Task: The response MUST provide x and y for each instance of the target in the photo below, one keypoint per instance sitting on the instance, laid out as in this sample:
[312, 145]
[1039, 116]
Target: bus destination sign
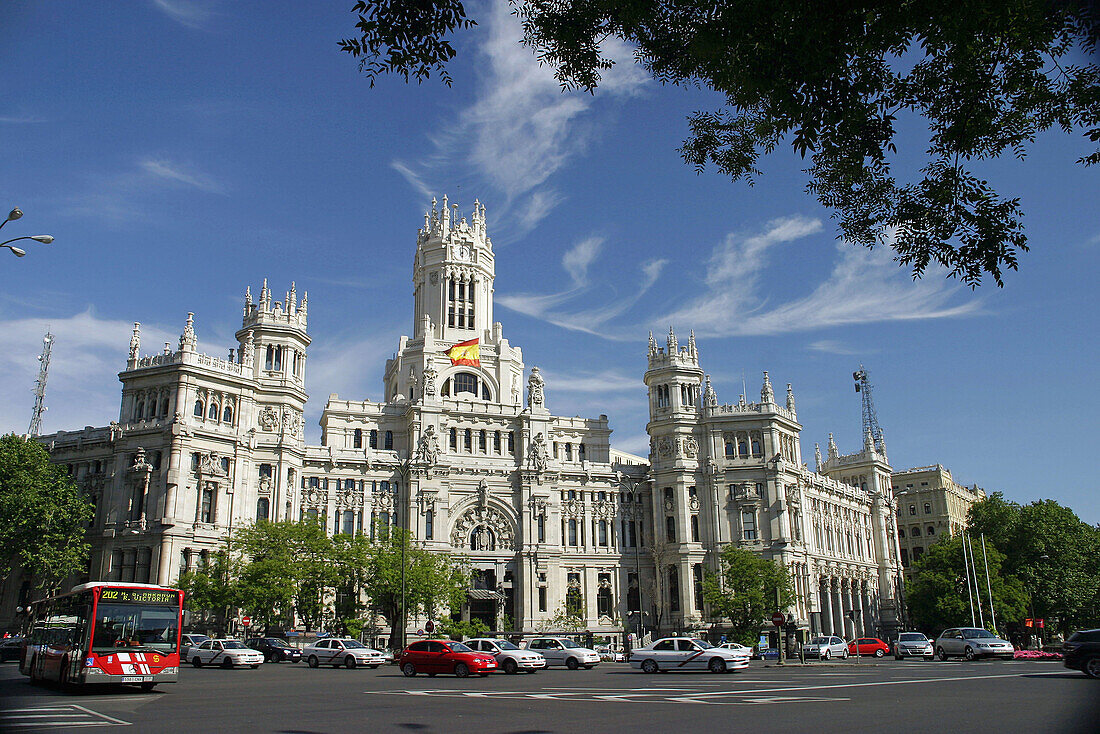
[139, 596]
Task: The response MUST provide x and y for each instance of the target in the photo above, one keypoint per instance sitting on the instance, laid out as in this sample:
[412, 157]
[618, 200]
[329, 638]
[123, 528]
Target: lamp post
[14, 214]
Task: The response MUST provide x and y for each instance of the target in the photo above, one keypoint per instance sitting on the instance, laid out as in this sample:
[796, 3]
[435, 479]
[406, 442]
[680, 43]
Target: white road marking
[867, 684]
[51, 717]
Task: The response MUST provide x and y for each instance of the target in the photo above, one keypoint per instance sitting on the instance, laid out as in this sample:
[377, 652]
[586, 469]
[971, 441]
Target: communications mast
[40, 386]
[870, 418]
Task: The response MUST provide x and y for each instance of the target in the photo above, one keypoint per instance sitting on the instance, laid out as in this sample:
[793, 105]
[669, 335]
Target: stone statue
[429, 381]
[535, 385]
[427, 448]
[538, 453]
[135, 342]
[249, 353]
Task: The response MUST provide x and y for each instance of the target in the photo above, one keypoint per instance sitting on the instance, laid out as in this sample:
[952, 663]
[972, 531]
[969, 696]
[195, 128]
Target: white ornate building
[457, 453]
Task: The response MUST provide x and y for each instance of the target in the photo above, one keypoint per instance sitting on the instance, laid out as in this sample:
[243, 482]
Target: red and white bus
[105, 632]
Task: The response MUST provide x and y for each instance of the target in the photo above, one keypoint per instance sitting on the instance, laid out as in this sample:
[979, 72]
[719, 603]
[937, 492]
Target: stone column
[838, 612]
[862, 626]
[826, 607]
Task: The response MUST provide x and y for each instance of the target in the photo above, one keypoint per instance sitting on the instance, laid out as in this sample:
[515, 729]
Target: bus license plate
[137, 679]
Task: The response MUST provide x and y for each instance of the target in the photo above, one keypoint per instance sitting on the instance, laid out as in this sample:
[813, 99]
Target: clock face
[464, 253]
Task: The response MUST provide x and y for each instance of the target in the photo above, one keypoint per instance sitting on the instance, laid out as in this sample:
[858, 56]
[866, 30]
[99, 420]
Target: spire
[882, 442]
[445, 214]
[834, 453]
[247, 296]
[305, 303]
[135, 341]
[817, 457]
[790, 398]
[673, 347]
[652, 343]
[265, 297]
[691, 344]
[292, 299]
[187, 339]
[767, 395]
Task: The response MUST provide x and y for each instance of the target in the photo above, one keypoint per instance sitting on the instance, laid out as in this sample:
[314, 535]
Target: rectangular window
[389, 440]
[454, 439]
[348, 525]
[481, 442]
[429, 525]
[374, 438]
[673, 589]
[697, 579]
[603, 533]
[542, 528]
[511, 442]
[633, 597]
[748, 525]
[670, 529]
[542, 598]
[695, 528]
[496, 442]
[580, 452]
[568, 452]
[468, 439]
[572, 532]
[206, 505]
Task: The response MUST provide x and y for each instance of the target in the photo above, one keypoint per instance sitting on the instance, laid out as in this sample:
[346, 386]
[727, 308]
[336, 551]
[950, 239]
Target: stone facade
[930, 504]
[467, 455]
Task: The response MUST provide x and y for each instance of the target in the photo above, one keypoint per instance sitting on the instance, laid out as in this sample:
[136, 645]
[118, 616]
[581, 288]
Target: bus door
[66, 630]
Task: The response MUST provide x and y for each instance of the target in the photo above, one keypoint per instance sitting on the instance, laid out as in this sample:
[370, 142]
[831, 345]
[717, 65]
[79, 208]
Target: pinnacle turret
[135, 341]
[817, 457]
[767, 395]
[673, 345]
[188, 341]
[790, 398]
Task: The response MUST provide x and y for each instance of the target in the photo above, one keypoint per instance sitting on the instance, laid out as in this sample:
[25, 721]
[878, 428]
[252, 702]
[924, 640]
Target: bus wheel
[147, 687]
[33, 672]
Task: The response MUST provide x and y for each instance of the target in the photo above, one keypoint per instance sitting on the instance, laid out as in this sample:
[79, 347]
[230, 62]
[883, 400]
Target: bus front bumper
[165, 675]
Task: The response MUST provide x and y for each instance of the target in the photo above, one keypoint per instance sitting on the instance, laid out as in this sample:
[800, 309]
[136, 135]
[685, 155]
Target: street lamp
[14, 214]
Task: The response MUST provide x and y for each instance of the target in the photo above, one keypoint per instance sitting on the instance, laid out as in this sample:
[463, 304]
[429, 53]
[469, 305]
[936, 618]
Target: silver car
[510, 658]
[912, 645]
[825, 648]
[563, 651]
[972, 643]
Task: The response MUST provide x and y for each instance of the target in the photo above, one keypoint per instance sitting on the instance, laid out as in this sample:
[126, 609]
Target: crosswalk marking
[49, 717]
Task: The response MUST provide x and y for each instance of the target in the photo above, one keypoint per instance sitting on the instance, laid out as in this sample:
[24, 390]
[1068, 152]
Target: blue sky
[180, 150]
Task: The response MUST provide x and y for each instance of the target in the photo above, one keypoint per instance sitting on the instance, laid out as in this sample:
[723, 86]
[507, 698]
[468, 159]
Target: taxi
[337, 651]
[687, 653]
[226, 653]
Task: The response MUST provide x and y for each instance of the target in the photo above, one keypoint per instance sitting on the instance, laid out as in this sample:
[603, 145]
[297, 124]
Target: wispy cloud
[186, 12]
[604, 381]
[577, 259]
[832, 346]
[413, 178]
[520, 128]
[21, 119]
[170, 171]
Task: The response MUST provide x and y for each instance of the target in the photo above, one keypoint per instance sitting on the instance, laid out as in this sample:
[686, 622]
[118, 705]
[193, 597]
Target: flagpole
[969, 593]
[988, 586]
[977, 587]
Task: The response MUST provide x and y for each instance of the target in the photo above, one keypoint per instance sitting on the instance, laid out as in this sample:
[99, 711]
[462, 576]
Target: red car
[444, 656]
[869, 646]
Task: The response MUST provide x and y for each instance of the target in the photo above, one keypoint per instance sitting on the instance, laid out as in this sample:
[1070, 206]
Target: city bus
[104, 632]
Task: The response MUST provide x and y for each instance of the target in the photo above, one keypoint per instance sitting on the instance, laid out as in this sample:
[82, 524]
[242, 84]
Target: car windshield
[569, 645]
[459, 647]
[233, 645]
[913, 637]
[198, 639]
[703, 644]
[978, 634]
[819, 641]
[505, 645]
[353, 644]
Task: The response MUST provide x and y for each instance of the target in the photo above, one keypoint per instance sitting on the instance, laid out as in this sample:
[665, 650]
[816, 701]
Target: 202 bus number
[109, 594]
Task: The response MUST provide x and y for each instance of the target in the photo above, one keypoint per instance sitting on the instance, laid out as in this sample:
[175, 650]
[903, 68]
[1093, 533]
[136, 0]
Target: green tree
[1051, 550]
[44, 515]
[434, 582]
[212, 592]
[270, 574]
[937, 596]
[835, 81]
[747, 590]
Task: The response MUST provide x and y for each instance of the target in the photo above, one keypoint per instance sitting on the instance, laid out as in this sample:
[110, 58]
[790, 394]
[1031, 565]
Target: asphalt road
[910, 696]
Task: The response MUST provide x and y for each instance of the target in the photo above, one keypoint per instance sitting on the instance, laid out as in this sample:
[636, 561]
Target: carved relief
[691, 448]
[537, 453]
[483, 529]
[268, 419]
[665, 448]
[430, 376]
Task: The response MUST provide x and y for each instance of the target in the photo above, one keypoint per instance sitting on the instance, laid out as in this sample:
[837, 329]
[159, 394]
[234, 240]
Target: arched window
[389, 440]
[445, 391]
[212, 414]
[697, 577]
[931, 530]
[465, 382]
[358, 438]
[915, 532]
[199, 407]
[901, 532]
[670, 529]
[227, 414]
[743, 449]
[164, 406]
[263, 506]
[139, 410]
[269, 360]
[485, 391]
[574, 600]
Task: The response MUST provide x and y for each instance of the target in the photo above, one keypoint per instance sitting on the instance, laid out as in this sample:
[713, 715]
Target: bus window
[146, 626]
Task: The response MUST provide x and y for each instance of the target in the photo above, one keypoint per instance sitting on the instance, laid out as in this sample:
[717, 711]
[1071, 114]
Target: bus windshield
[144, 627]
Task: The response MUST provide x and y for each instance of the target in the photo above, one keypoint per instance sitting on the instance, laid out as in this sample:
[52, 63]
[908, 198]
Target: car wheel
[969, 652]
[196, 661]
[227, 663]
[462, 670]
[313, 662]
[825, 654]
[572, 664]
[717, 665]
[649, 666]
[942, 654]
[879, 653]
[410, 670]
[1092, 667]
[844, 655]
[349, 662]
[510, 667]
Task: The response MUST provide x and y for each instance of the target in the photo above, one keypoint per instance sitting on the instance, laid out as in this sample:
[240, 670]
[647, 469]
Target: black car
[9, 649]
[275, 650]
[1082, 652]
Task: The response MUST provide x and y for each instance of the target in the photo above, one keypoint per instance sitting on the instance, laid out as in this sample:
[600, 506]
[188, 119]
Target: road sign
[246, 621]
[429, 626]
[778, 619]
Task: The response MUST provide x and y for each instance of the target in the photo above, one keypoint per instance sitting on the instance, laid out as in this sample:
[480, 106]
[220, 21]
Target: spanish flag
[467, 353]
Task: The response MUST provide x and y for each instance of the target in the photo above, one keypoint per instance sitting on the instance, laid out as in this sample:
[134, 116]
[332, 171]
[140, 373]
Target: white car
[687, 653]
[825, 648]
[736, 647]
[336, 651]
[912, 645]
[563, 651]
[226, 653]
[610, 654]
[510, 658]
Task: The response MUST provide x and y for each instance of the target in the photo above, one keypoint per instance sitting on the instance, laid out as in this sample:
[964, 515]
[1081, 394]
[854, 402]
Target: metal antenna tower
[870, 418]
[40, 385]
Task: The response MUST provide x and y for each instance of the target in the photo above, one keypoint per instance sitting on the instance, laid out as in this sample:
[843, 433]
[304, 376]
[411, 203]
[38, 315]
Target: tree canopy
[1052, 551]
[747, 590]
[836, 81]
[44, 515]
[937, 597]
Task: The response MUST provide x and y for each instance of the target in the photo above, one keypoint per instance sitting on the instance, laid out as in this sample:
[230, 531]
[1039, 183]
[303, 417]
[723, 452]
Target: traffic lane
[1038, 697]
